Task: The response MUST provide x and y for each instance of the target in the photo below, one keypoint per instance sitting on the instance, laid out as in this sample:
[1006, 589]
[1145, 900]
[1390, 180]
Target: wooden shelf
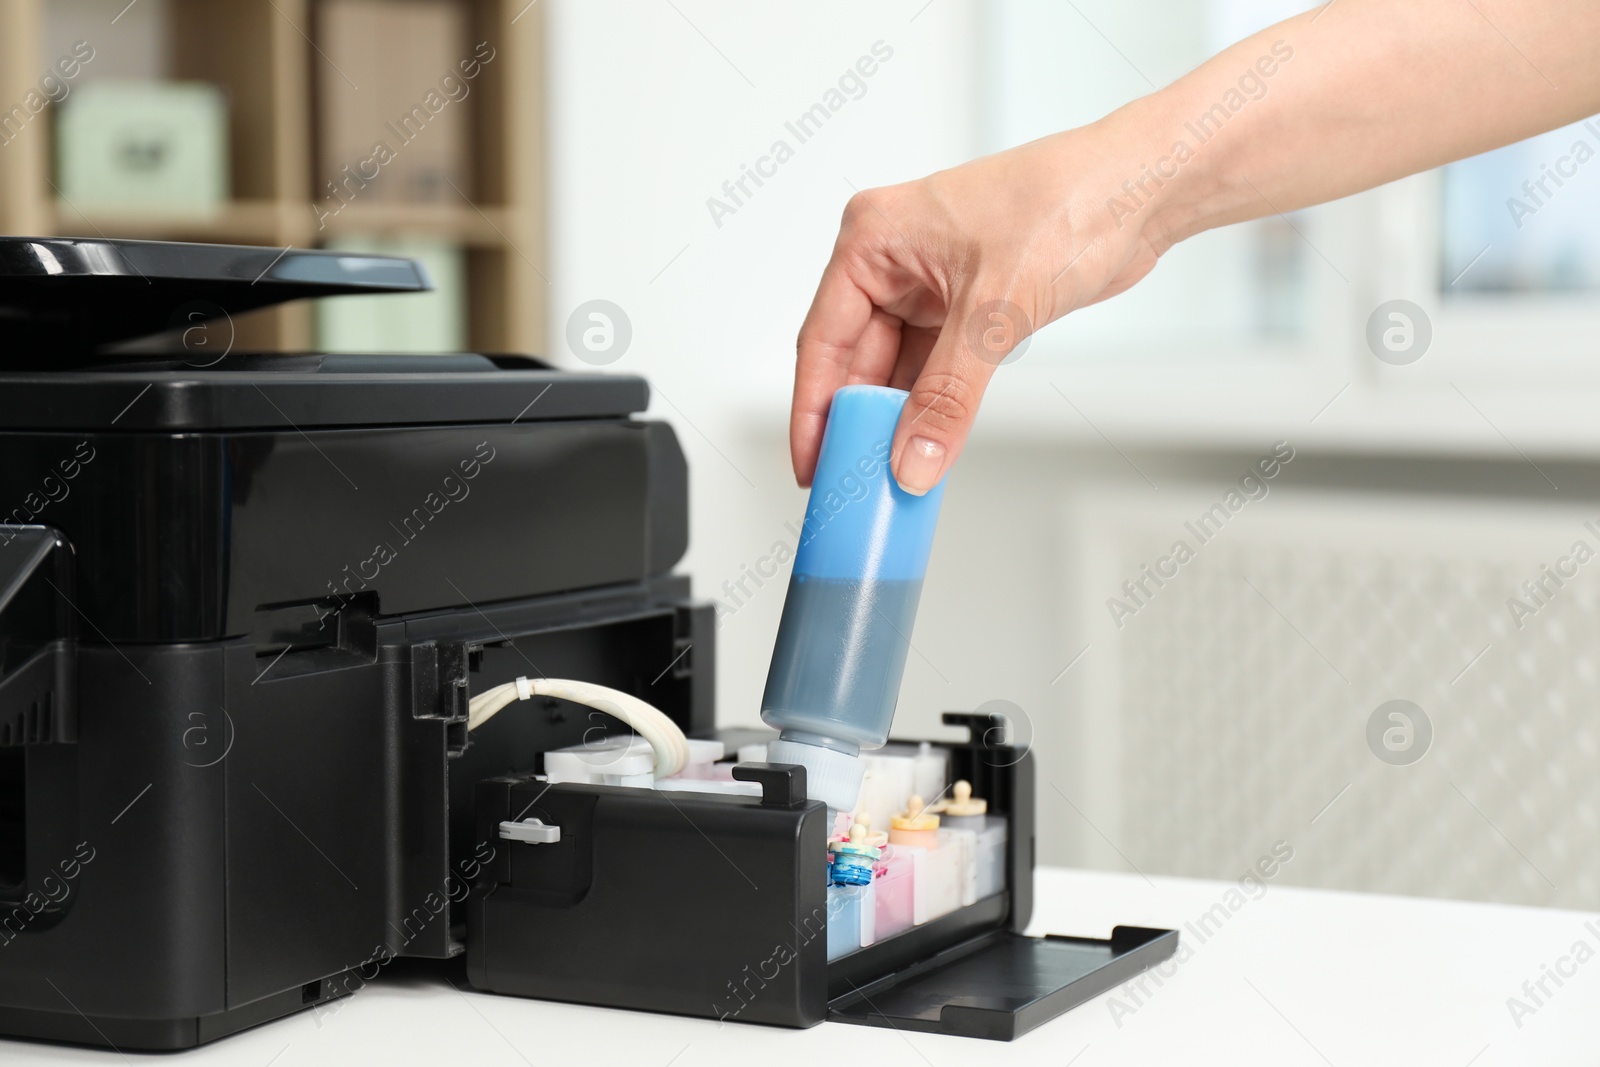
[239, 222]
[268, 221]
[262, 56]
[472, 225]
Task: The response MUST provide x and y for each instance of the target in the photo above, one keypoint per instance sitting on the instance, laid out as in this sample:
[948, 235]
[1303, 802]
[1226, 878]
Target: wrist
[1159, 182]
[1182, 153]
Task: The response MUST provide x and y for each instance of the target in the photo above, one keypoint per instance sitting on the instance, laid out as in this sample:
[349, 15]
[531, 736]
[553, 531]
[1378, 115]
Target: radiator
[1233, 705]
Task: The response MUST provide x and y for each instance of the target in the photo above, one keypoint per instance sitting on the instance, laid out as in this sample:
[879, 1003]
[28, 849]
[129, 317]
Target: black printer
[243, 605]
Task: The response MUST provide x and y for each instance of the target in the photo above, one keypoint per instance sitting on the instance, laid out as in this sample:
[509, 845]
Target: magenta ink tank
[852, 600]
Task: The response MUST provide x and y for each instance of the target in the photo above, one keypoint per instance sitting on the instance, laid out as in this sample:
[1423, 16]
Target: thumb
[976, 337]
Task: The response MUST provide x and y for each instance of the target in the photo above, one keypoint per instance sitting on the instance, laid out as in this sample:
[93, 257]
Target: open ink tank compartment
[852, 600]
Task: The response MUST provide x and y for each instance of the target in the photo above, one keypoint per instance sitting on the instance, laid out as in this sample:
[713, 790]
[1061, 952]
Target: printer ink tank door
[64, 298]
[1001, 985]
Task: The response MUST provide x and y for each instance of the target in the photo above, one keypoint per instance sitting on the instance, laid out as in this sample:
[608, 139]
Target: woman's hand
[934, 282]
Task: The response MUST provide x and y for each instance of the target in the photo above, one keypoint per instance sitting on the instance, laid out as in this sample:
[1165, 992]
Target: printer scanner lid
[71, 296]
[69, 308]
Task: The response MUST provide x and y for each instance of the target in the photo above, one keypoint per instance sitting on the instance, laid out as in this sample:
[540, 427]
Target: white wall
[653, 107]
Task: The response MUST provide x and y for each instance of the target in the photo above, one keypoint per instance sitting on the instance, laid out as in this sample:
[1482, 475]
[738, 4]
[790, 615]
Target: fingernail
[921, 463]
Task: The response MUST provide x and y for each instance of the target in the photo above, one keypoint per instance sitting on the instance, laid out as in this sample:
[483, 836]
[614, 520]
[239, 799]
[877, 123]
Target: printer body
[243, 606]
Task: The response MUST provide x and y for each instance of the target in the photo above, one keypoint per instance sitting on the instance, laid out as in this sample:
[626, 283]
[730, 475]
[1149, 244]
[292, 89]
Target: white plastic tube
[666, 739]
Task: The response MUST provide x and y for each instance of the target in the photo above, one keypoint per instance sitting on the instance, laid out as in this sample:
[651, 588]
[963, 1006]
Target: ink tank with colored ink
[852, 600]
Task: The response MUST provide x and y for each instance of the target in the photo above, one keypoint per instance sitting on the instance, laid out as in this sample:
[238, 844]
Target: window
[1525, 218]
[1243, 291]
[1242, 327]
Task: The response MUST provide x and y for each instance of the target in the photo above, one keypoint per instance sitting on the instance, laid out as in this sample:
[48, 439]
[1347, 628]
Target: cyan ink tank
[852, 600]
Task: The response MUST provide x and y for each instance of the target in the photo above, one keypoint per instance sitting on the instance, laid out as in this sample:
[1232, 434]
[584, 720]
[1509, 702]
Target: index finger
[832, 329]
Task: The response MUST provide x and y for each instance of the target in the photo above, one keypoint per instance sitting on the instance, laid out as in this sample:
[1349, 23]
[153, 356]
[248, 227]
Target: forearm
[1347, 97]
[932, 282]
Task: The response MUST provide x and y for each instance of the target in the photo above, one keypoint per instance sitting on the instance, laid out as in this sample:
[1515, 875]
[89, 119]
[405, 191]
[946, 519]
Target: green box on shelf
[415, 322]
[137, 144]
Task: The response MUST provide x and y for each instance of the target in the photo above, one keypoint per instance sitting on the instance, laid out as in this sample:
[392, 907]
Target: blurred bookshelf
[278, 75]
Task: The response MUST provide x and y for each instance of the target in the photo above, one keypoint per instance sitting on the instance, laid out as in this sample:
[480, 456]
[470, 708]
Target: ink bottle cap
[854, 860]
[915, 827]
[832, 777]
[962, 802]
[875, 838]
[915, 817]
[858, 844]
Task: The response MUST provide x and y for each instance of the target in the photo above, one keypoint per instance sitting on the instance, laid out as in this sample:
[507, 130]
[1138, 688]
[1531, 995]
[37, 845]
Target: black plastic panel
[61, 298]
[684, 903]
[291, 395]
[237, 830]
[744, 883]
[207, 536]
[1002, 985]
[38, 656]
[13, 821]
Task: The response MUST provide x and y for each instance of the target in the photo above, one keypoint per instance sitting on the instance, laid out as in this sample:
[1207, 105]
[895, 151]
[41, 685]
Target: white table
[1293, 976]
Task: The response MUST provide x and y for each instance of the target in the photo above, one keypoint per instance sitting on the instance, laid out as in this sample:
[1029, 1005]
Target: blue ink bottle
[852, 600]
